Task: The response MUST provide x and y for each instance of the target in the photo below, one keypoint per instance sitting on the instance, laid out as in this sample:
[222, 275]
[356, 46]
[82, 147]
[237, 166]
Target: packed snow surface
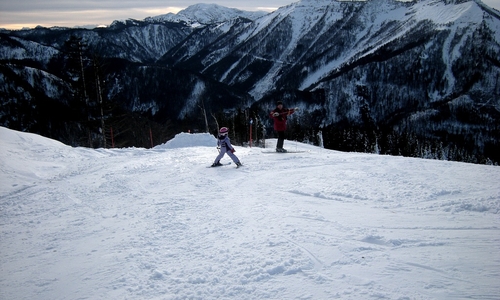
[134, 223]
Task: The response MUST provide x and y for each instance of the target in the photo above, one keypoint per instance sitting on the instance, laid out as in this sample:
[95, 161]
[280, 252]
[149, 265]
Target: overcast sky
[16, 14]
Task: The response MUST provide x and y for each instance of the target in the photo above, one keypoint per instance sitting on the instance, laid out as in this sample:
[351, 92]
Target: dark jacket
[280, 120]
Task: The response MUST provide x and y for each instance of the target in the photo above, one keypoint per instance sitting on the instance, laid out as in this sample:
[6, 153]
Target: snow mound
[185, 140]
[27, 140]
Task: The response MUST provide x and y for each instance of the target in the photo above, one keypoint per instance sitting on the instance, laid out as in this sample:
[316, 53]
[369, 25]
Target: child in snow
[225, 146]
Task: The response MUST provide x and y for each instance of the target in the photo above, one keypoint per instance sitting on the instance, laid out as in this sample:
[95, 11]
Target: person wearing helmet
[224, 144]
[280, 114]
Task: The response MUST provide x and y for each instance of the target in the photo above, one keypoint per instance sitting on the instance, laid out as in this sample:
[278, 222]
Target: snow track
[133, 223]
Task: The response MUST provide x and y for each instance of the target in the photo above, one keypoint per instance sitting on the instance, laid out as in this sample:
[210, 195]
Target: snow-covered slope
[77, 223]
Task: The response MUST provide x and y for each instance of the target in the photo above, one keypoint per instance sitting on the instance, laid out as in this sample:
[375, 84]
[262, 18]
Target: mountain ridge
[203, 14]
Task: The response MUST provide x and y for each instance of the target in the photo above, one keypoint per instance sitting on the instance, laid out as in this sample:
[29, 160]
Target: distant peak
[204, 13]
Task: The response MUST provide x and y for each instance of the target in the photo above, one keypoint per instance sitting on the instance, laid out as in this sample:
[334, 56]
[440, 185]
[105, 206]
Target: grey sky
[30, 13]
[16, 14]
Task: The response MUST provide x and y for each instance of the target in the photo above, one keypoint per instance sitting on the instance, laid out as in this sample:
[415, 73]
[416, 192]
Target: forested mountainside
[405, 78]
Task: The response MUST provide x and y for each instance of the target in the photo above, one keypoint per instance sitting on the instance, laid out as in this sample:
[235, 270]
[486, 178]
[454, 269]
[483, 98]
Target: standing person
[280, 114]
[224, 144]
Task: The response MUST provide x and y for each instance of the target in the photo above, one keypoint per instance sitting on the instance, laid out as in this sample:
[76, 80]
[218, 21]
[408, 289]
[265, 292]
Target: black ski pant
[281, 139]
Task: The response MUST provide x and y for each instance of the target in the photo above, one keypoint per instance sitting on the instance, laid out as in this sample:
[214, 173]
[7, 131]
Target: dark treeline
[355, 138]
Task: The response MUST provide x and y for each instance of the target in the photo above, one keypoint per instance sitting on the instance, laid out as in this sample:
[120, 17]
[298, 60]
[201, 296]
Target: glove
[297, 108]
[276, 114]
[233, 150]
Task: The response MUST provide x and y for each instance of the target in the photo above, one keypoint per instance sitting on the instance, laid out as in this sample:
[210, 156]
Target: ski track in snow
[134, 223]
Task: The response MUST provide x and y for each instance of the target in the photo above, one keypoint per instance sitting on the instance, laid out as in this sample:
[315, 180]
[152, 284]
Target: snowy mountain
[207, 14]
[406, 78]
[135, 223]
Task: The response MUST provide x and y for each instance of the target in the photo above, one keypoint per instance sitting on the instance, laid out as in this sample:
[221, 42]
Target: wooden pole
[251, 123]
[112, 138]
[151, 136]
